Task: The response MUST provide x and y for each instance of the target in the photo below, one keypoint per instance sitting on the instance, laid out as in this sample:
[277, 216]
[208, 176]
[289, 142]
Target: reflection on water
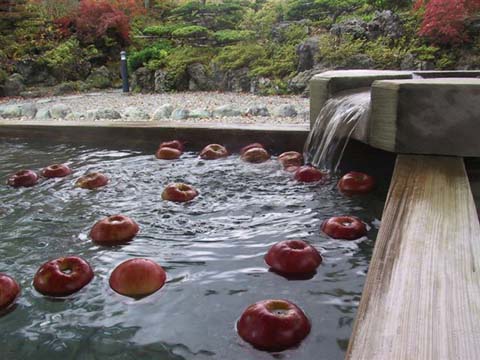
[212, 250]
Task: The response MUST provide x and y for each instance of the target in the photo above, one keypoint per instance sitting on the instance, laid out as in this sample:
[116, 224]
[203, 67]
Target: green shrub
[68, 59]
[240, 55]
[281, 61]
[231, 36]
[190, 32]
[155, 53]
[162, 30]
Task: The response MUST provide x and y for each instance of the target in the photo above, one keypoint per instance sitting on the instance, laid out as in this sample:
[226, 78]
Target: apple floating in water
[291, 160]
[255, 155]
[273, 325]
[308, 173]
[62, 276]
[174, 144]
[251, 146]
[167, 153]
[355, 182]
[293, 257]
[344, 227]
[23, 178]
[213, 151]
[179, 192]
[56, 170]
[137, 278]
[114, 230]
[92, 181]
[9, 291]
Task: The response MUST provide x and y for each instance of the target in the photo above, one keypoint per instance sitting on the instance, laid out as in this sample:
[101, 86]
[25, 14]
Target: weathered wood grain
[422, 294]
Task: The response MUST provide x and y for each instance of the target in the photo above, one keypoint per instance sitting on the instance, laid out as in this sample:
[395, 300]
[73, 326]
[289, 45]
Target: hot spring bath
[211, 248]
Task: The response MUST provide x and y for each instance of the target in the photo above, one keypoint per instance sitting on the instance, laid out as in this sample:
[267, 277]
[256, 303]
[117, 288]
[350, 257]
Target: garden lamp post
[124, 71]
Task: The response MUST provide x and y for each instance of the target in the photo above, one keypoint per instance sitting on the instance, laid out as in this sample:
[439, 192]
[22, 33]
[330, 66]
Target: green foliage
[320, 9]
[281, 61]
[68, 58]
[3, 76]
[162, 30]
[190, 32]
[232, 36]
[263, 20]
[151, 56]
[240, 55]
[390, 4]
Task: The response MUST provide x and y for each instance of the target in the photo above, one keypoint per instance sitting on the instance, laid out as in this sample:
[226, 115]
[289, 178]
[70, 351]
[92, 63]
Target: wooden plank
[422, 294]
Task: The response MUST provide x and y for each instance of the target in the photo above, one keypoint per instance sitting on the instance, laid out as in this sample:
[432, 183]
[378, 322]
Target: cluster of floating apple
[272, 325]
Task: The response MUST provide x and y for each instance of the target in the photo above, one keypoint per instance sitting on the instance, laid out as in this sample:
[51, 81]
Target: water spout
[335, 124]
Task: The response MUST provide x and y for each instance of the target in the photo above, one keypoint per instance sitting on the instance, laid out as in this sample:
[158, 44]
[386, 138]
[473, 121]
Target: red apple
[137, 278]
[179, 192]
[308, 173]
[344, 227]
[56, 170]
[293, 257]
[62, 276]
[174, 144]
[251, 146]
[256, 155]
[213, 151]
[273, 325]
[290, 159]
[25, 178]
[92, 181]
[114, 230]
[356, 182]
[9, 291]
[167, 153]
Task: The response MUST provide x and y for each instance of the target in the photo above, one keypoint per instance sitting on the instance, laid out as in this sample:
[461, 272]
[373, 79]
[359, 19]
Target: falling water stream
[334, 125]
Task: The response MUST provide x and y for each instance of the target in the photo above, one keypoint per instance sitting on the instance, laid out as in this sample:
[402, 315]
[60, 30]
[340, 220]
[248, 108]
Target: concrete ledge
[447, 74]
[149, 134]
[426, 116]
[325, 85]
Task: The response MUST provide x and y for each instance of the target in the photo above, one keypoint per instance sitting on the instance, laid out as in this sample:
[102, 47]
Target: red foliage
[95, 19]
[444, 21]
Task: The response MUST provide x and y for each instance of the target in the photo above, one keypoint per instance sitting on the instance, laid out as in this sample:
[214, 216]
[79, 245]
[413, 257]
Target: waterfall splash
[335, 124]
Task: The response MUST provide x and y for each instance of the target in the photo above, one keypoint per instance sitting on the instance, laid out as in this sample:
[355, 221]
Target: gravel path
[149, 103]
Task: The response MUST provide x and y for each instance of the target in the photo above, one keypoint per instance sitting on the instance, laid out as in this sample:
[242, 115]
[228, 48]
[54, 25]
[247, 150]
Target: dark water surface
[211, 248]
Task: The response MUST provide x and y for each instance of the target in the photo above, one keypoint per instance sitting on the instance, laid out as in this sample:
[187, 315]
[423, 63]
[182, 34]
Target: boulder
[134, 113]
[258, 110]
[161, 83]
[143, 80]
[43, 114]
[60, 111]
[76, 116]
[299, 83]
[357, 28]
[18, 110]
[385, 24]
[307, 53]
[103, 113]
[199, 114]
[180, 114]
[199, 80]
[260, 85]
[286, 110]
[163, 112]
[65, 88]
[14, 85]
[34, 72]
[227, 111]
[100, 78]
[238, 80]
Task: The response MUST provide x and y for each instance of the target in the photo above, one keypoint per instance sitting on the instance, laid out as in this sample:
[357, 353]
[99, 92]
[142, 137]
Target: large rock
[200, 114]
[260, 85]
[34, 73]
[199, 80]
[103, 113]
[163, 112]
[307, 53]
[238, 80]
[60, 111]
[18, 110]
[227, 111]
[357, 28]
[180, 114]
[299, 83]
[143, 80]
[161, 83]
[134, 113]
[43, 114]
[286, 110]
[258, 110]
[100, 78]
[14, 85]
[385, 24]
